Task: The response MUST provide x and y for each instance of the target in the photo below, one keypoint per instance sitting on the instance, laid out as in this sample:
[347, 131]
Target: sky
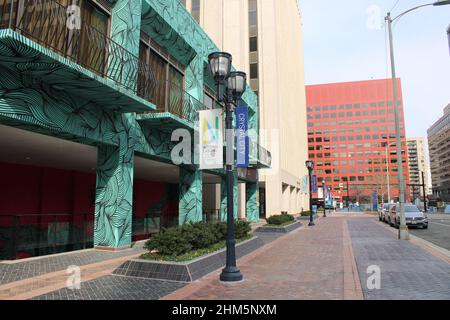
[346, 41]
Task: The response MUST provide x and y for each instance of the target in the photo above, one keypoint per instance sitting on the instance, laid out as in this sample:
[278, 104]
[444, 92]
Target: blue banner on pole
[242, 142]
[374, 201]
[314, 183]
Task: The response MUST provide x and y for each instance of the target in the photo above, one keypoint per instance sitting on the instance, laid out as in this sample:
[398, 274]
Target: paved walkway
[310, 263]
[327, 261]
[407, 270]
[41, 275]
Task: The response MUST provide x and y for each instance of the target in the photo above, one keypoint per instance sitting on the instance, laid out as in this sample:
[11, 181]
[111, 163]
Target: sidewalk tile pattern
[116, 288]
[407, 272]
[27, 269]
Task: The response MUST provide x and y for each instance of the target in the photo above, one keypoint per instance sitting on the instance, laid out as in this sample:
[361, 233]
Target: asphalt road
[438, 231]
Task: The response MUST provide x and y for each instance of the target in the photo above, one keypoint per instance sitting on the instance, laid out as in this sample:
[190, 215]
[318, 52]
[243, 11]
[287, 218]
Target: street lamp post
[230, 87]
[310, 165]
[403, 229]
[324, 203]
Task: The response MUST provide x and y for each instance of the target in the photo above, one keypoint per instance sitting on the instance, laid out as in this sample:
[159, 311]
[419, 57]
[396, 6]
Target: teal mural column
[126, 31]
[191, 193]
[251, 205]
[223, 197]
[114, 197]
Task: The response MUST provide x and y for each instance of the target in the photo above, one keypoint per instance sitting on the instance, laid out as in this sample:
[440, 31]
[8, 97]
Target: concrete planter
[187, 271]
[283, 229]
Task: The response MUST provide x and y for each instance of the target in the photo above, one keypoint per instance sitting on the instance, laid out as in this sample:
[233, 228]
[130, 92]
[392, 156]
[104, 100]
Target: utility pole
[424, 193]
[403, 233]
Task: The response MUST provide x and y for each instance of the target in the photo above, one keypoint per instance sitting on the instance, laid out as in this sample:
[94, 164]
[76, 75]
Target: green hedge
[193, 236]
[280, 219]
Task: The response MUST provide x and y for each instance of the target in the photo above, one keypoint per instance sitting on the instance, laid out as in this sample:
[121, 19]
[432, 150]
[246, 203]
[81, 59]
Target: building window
[253, 71]
[253, 44]
[167, 91]
[195, 10]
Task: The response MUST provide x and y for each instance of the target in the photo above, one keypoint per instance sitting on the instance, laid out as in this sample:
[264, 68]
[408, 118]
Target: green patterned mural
[114, 197]
[44, 92]
[252, 209]
[191, 187]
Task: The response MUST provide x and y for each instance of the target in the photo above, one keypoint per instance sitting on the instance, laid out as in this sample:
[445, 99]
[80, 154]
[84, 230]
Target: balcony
[108, 73]
[174, 106]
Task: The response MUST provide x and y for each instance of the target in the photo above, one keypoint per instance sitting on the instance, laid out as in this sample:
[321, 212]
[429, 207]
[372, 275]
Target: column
[114, 197]
[252, 208]
[191, 196]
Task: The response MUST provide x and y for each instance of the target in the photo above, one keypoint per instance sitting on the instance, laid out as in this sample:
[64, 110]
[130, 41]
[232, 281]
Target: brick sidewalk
[310, 263]
[33, 277]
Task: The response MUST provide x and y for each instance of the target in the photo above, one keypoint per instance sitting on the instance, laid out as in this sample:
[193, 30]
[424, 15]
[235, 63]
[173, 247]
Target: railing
[152, 222]
[29, 235]
[46, 22]
[170, 97]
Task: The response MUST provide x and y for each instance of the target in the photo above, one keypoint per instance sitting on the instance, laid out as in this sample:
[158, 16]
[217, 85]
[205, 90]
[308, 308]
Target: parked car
[382, 209]
[414, 217]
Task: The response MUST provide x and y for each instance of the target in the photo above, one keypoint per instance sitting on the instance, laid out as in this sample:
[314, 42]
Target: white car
[414, 217]
[447, 209]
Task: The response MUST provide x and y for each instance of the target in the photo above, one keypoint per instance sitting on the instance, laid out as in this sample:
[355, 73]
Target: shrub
[280, 219]
[305, 214]
[241, 229]
[193, 236]
[168, 242]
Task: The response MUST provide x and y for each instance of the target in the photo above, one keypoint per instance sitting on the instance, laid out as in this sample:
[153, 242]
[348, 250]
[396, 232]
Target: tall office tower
[351, 138]
[417, 165]
[439, 150]
[265, 39]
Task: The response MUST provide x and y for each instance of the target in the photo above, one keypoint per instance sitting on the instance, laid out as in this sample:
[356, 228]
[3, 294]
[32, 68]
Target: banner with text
[211, 139]
[242, 143]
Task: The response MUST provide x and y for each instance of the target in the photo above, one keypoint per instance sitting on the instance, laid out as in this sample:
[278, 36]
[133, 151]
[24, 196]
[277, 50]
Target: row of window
[352, 106]
[356, 122]
[348, 114]
[375, 178]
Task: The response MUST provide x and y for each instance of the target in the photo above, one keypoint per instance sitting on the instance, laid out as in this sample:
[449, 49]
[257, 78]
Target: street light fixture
[230, 88]
[403, 229]
[310, 165]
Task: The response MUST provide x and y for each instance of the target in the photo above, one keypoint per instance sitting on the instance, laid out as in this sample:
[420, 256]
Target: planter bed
[280, 229]
[184, 271]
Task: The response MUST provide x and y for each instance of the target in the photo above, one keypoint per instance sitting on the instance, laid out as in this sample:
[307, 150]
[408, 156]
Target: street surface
[438, 231]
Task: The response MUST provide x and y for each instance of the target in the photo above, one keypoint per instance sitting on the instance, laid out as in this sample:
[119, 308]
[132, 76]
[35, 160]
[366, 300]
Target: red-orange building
[351, 138]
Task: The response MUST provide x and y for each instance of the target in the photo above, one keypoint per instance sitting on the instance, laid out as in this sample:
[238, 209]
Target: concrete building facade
[417, 164]
[265, 39]
[439, 151]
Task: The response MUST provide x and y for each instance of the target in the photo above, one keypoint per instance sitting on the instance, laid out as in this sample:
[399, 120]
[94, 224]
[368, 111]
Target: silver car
[414, 217]
[383, 212]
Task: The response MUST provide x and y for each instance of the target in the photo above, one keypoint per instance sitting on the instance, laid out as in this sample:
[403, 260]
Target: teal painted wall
[34, 95]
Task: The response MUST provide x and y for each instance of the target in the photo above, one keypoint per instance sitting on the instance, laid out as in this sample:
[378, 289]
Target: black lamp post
[310, 165]
[230, 87]
[324, 188]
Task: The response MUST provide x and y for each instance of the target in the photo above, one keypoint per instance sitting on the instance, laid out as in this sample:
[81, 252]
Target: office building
[439, 151]
[351, 138]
